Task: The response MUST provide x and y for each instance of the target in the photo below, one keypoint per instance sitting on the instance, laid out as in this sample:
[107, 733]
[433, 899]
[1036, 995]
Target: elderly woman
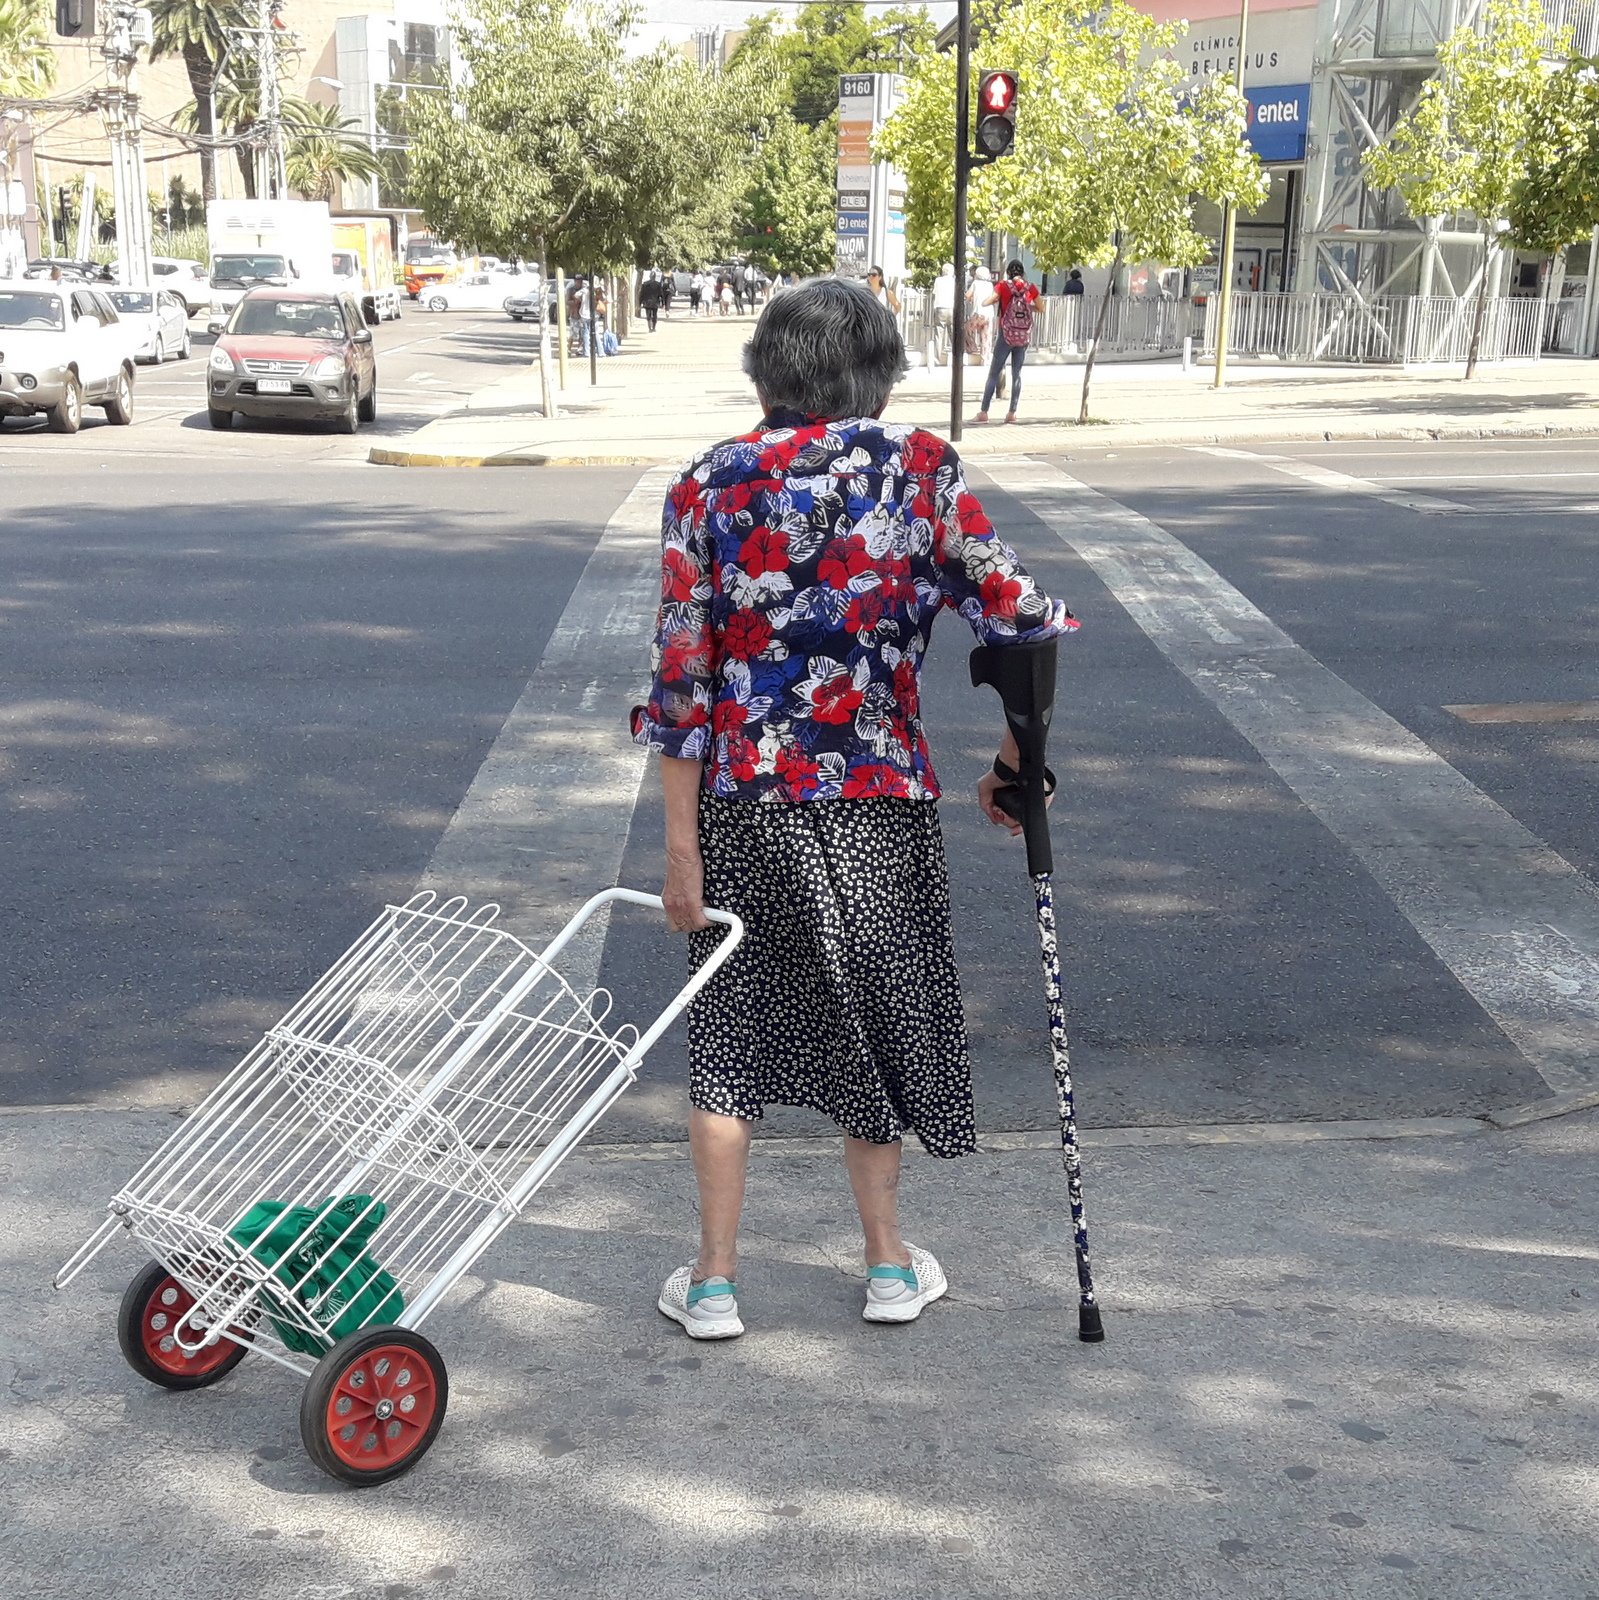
[802, 567]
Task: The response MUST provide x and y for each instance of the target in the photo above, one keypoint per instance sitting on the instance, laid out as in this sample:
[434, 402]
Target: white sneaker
[897, 1294]
[706, 1310]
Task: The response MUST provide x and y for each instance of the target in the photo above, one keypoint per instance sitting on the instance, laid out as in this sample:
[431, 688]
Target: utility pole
[1229, 225]
[127, 29]
[963, 170]
[271, 182]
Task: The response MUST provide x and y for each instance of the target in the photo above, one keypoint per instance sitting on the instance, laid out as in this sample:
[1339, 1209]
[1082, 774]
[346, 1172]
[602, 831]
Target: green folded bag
[365, 1292]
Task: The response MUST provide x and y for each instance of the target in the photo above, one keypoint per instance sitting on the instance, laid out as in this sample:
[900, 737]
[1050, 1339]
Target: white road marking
[1326, 478]
[1475, 477]
[545, 821]
[1514, 922]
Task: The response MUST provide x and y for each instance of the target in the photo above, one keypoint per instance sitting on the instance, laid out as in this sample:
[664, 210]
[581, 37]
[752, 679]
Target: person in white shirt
[943, 311]
[980, 316]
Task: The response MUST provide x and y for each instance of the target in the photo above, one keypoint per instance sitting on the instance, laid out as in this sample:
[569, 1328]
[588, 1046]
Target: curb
[1024, 441]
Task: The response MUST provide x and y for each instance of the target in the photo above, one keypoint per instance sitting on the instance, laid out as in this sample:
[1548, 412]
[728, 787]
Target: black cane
[1024, 675]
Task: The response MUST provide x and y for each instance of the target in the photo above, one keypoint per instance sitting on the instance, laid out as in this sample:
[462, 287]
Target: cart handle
[714, 964]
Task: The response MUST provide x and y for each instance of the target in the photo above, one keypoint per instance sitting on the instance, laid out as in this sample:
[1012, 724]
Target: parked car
[68, 269]
[477, 291]
[62, 346]
[528, 305]
[186, 279]
[291, 354]
[158, 319]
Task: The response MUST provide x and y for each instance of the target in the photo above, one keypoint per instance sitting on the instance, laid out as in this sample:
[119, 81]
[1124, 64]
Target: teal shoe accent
[710, 1289]
[904, 1274]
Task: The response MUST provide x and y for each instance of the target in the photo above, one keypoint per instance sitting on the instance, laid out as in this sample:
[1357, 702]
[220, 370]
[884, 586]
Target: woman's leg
[995, 366]
[874, 1176]
[720, 1147]
[1018, 355]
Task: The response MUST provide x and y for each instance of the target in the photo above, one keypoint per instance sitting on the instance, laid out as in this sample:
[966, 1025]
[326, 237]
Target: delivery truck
[363, 263]
[278, 242]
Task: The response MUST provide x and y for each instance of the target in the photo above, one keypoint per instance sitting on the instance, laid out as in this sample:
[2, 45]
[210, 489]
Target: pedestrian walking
[724, 296]
[736, 278]
[980, 316]
[668, 289]
[649, 299]
[1014, 297]
[752, 284]
[943, 311]
[577, 312]
[696, 293]
[798, 787]
[1074, 283]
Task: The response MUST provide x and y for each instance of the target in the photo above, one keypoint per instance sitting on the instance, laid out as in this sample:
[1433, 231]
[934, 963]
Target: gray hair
[828, 348]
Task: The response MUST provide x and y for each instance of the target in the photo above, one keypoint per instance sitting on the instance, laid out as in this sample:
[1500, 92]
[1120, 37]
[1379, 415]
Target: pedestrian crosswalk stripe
[545, 821]
[1514, 922]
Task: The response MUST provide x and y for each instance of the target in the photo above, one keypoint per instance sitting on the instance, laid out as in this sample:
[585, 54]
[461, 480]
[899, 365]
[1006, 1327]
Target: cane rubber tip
[1089, 1328]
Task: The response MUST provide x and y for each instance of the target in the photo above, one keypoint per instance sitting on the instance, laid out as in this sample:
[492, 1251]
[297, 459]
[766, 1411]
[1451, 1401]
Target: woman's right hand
[684, 892]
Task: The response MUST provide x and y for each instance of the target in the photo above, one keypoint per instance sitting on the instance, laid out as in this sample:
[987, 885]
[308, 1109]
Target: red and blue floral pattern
[802, 566]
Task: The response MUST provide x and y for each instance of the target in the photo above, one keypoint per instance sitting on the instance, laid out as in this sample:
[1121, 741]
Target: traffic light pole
[963, 170]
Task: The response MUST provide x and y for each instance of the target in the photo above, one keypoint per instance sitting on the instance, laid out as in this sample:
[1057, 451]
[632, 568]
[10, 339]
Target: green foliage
[27, 66]
[1556, 200]
[197, 30]
[324, 151]
[558, 146]
[836, 37]
[1469, 139]
[1112, 149]
[786, 217]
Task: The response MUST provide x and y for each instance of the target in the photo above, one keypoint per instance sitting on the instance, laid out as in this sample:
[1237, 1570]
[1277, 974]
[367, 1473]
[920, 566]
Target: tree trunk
[202, 72]
[1480, 312]
[1099, 333]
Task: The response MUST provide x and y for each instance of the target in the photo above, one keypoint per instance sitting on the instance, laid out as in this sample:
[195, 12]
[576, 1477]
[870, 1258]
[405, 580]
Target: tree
[27, 64]
[1113, 146]
[1555, 203]
[558, 146]
[197, 30]
[1469, 140]
[786, 218]
[323, 151]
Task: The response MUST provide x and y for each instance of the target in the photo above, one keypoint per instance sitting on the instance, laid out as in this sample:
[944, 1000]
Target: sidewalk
[670, 394]
[1336, 1368]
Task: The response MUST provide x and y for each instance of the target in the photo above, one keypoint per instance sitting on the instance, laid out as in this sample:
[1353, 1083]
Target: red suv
[289, 353]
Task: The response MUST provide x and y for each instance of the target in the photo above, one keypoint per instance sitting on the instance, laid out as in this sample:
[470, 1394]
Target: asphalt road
[243, 704]
[428, 363]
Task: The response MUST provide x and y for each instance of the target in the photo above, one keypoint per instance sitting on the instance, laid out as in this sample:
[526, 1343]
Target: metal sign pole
[963, 81]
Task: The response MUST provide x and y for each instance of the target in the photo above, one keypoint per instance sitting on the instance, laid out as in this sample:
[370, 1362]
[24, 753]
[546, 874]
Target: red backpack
[1016, 321]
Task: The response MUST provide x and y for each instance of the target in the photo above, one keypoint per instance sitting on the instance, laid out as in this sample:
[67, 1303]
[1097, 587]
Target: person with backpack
[1014, 297]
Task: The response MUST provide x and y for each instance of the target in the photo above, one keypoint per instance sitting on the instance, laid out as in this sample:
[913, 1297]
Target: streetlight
[336, 84]
[1229, 223]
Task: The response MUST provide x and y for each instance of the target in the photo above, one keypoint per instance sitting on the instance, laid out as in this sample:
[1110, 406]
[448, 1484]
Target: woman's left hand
[987, 786]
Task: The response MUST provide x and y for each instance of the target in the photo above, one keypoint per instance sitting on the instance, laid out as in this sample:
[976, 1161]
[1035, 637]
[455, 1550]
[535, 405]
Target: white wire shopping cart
[322, 1200]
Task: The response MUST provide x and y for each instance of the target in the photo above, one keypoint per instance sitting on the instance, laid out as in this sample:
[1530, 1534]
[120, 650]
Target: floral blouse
[802, 566]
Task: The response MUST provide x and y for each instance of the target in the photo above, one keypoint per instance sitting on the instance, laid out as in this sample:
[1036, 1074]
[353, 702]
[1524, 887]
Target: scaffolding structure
[1372, 57]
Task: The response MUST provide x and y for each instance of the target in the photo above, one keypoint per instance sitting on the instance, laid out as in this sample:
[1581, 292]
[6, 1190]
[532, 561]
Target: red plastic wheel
[374, 1404]
[151, 1308]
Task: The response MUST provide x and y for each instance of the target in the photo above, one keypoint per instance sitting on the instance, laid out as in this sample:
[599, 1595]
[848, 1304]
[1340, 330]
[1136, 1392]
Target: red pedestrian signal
[996, 116]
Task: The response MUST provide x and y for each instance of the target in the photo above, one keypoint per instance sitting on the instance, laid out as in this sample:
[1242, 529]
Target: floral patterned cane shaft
[1049, 947]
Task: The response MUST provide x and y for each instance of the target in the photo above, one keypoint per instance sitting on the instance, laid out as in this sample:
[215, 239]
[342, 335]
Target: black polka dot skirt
[843, 996]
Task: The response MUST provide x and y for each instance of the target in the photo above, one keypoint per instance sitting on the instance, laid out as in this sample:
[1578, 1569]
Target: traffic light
[996, 116]
[74, 17]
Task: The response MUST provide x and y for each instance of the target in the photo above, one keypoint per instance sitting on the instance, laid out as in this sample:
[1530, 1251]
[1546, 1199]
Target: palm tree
[197, 30]
[27, 64]
[324, 149]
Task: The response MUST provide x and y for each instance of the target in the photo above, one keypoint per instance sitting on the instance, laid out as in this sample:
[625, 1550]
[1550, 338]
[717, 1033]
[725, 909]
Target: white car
[478, 291]
[156, 318]
[184, 278]
[62, 347]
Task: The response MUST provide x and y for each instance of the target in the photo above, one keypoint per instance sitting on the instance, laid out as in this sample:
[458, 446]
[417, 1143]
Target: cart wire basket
[326, 1195]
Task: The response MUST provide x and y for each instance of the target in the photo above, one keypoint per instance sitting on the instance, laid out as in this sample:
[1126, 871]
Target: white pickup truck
[62, 347]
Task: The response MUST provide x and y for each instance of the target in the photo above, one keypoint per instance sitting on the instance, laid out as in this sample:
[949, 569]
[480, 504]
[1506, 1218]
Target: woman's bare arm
[684, 890]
